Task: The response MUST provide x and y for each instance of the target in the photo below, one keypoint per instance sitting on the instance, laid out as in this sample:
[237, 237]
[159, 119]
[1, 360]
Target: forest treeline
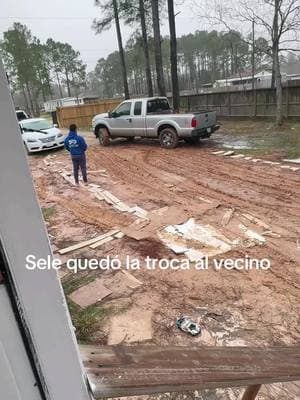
[149, 63]
[203, 57]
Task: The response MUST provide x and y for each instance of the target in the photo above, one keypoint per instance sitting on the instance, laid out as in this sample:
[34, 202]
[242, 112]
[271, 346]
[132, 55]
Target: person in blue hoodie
[77, 146]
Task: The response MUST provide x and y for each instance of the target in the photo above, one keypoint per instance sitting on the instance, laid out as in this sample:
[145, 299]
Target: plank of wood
[139, 212]
[119, 208]
[106, 198]
[251, 392]
[87, 242]
[238, 156]
[257, 221]
[111, 197]
[296, 160]
[135, 370]
[99, 196]
[123, 207]
[101, 242]
[227, 217]
[228, 153]
[132, 278]
[119, 235]
[68, 179]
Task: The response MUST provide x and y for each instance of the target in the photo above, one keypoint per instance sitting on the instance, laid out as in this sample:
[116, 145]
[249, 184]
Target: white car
[38, 134]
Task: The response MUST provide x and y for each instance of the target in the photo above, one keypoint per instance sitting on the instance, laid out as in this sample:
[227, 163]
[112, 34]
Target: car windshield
[38, 125]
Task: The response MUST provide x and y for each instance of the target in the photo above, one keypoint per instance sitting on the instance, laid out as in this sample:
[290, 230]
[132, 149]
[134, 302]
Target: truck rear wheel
[168, 138]
[103, 136]
[192, 140]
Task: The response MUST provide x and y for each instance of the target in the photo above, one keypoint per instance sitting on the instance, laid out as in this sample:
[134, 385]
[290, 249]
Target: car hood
[39, 135]
[103, 115]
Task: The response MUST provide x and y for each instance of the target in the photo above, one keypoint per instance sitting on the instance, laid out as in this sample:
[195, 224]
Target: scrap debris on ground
[190, 203]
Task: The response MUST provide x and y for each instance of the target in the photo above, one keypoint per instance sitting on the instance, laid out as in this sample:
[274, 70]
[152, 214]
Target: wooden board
[101, 242]
[135, 370]
[90, 294]
[87, 242]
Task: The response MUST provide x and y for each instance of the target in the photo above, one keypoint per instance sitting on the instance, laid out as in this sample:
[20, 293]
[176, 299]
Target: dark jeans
[79, 162]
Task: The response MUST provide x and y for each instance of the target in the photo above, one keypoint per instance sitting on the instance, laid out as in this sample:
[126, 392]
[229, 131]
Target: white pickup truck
[153, 118]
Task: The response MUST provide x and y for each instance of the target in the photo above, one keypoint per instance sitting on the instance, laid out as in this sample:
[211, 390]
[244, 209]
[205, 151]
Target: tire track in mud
[255, 185]
[263, 194]
[260, 189]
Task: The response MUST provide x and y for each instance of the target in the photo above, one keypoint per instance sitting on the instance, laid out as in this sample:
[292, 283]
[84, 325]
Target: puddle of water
[286, 143]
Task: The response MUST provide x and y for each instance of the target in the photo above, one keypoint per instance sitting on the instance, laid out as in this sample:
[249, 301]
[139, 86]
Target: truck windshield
[157, 106]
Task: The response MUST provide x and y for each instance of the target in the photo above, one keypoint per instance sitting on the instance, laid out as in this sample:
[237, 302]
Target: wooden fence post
[189, 103]
[287, 100]
[254, 102]
[251, 392]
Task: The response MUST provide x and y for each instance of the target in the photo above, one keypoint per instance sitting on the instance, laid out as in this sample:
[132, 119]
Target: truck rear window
[157, 106]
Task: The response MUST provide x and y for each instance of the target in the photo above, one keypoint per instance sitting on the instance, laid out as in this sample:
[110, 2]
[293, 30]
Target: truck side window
[123, 110]
[158, 106]
[138, 108]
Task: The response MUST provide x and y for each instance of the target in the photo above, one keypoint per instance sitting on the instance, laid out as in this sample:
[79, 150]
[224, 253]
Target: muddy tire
[168, 138]
[192, 140]
[103, 137]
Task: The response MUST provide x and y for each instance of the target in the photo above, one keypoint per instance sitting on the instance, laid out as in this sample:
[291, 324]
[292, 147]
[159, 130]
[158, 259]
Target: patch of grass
[260, 138]
[75, 281]
[48, 212]
[87, 321]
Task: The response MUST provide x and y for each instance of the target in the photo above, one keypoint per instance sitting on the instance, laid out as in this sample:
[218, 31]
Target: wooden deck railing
[115, 371]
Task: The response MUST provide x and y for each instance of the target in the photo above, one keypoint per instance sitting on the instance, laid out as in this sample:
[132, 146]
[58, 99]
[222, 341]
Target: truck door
[138, 120]
[121, 121]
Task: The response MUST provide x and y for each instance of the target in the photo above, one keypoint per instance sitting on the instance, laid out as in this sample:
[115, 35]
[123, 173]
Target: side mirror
[109, 114]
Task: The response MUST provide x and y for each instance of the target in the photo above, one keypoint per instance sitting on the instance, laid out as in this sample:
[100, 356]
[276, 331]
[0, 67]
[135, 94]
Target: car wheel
[168, 138]
[103, 136]
[192, 140]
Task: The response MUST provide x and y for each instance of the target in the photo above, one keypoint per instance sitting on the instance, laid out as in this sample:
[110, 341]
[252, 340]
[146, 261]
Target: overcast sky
[70, 21]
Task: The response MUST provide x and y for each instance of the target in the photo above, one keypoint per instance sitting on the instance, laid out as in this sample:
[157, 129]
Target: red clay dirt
[234, 307]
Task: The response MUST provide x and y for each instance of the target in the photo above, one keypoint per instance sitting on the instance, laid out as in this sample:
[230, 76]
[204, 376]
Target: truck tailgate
[206, 119]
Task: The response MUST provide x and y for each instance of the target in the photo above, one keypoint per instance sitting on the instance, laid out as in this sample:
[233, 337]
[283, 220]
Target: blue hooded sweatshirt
[75, 144]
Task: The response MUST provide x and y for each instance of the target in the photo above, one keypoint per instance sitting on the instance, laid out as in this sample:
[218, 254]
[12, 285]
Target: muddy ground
[235, 307]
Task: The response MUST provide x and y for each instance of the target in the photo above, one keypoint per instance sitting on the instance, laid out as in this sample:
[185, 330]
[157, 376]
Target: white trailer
[52, 105]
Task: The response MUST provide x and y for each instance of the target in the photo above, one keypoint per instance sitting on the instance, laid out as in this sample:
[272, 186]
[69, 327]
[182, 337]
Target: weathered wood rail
[115, 371]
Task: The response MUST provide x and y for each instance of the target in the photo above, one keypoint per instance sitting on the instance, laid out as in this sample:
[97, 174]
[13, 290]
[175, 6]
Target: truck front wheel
[168, 138]
[103, 136]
